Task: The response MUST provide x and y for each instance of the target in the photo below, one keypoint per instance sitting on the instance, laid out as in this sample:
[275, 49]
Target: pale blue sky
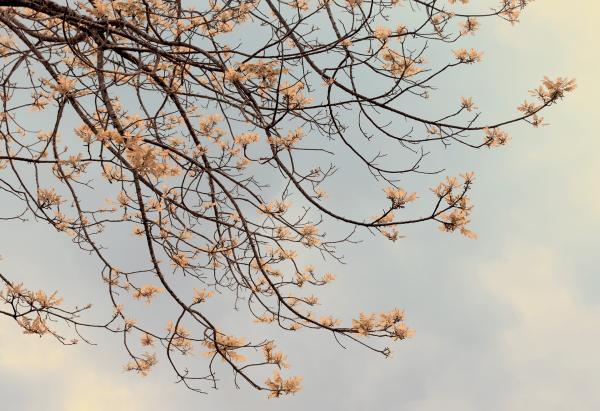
[510, 321]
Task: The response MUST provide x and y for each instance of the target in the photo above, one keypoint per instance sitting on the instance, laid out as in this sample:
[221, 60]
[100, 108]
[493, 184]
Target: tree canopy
[214, 129]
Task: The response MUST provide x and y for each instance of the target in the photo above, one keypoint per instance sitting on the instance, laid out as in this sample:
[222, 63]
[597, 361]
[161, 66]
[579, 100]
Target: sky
[510, 321]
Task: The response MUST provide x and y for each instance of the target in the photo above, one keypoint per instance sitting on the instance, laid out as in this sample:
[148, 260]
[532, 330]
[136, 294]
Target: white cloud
[550, 347]
[41, 373]
[14, 343]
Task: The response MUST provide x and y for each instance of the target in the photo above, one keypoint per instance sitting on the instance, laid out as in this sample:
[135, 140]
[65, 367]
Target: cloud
[549, 348]
[94, 392]
[40, 373]
[14, 343]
